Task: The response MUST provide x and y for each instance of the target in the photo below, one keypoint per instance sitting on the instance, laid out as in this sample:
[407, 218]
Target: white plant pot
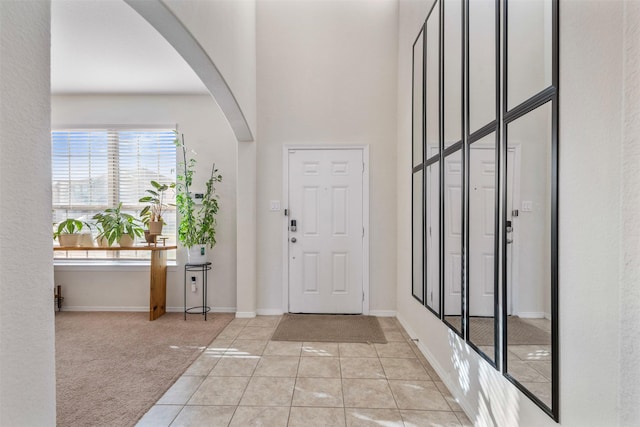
[69, 239]
[126, 241]
[103, 242]
[86, 239]
[197, 254]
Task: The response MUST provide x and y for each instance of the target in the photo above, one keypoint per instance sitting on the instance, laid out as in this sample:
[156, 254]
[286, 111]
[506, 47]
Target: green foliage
[155, 198]
[114, 224]
[70, 226]
[197, 223]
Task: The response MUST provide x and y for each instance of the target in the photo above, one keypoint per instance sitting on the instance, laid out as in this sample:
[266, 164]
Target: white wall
[590, 236]
[326, 75]
[591, 90]
[207, 132]
[529, 72]
[27, 364]
[630, 291]
[531, 277]
[226, 29]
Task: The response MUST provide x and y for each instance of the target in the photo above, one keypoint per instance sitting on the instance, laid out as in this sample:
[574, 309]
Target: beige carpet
[329, 328]
[112, 367]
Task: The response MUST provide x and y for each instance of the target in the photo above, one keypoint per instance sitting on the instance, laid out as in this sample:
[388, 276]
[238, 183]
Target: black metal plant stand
[203, 309]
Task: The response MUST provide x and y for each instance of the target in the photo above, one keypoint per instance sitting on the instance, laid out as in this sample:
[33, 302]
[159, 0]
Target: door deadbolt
[293, 240]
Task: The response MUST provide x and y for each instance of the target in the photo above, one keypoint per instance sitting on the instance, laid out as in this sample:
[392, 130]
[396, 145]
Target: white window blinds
[96, 169]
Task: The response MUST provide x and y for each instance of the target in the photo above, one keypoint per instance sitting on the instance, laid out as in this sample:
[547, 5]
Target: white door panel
[482, 229]
[453, 235]
[325, 252]
[482, 176]
[432, 257]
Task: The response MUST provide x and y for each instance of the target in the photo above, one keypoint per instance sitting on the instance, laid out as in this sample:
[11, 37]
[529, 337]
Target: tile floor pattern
[244, 379]
[531, 364]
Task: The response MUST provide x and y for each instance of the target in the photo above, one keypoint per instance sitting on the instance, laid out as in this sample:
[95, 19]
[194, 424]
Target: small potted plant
[118, 226]
[151, 215]
[68, 232]
[197, 228]
[101, 239]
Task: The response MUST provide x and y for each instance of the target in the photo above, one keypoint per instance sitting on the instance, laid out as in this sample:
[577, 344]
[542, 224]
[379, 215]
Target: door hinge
[286, 212]
[362, 296]
[362, 231]
[515, 212]
[362, 167]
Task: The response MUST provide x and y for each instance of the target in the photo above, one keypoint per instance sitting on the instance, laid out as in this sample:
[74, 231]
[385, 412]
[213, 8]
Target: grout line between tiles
[340, 350]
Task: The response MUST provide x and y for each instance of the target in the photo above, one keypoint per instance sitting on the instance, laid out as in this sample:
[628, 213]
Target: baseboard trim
[102, 308]
[269, 312]
[442, 373]
[239, 314]
[531, 315]
[141, 309]
[383, 313]
[213, 309]
[245, 314]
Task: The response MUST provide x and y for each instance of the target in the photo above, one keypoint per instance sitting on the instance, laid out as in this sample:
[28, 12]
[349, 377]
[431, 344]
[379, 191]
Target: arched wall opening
[162, 18]
[215, 127]
[158, 14]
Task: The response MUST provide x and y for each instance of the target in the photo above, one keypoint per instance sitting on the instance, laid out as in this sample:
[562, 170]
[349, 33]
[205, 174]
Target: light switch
[274, 205]
[527, 206]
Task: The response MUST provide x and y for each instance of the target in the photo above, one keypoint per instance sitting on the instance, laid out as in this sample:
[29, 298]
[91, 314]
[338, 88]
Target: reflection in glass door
[490, 183]
[418, 236]
[432, 236]
[453, 240]
[528, 327]
[482, 245]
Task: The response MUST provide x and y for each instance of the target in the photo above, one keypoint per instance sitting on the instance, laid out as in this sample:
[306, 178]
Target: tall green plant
[197, 223]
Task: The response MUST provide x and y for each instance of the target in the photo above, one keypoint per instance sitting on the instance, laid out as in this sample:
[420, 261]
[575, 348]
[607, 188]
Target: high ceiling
[105, 47]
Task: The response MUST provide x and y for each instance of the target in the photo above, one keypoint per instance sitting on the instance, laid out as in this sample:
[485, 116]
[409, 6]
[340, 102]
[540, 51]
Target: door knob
[293, 240]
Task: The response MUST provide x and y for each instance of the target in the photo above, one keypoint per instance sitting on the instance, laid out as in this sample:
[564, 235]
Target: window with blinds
[93, 170]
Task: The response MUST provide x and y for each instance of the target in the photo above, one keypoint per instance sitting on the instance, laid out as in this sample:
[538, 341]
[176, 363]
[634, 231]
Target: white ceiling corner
[105, 47]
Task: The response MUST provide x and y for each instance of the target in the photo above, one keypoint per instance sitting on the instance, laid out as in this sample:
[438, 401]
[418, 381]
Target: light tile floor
[245, 379]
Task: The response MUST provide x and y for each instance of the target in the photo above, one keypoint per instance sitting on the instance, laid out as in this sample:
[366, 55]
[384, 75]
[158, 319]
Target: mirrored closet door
[485, 183]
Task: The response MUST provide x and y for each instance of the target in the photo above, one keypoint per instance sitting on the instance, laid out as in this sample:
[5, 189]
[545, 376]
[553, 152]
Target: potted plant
[197, 228]
[102, 240]
[151, 215]
[68, 232]
[118, 226]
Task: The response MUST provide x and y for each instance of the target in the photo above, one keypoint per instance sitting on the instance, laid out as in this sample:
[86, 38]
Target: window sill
[106, 265]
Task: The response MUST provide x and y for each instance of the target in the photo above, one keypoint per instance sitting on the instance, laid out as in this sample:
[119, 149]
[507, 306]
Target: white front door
[481, 231]
[453, 234]
[326, 249]
[482, 196]
[482, 193]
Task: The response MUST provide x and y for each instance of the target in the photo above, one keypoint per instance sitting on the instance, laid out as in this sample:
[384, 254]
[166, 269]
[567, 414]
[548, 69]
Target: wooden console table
[158, 279]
